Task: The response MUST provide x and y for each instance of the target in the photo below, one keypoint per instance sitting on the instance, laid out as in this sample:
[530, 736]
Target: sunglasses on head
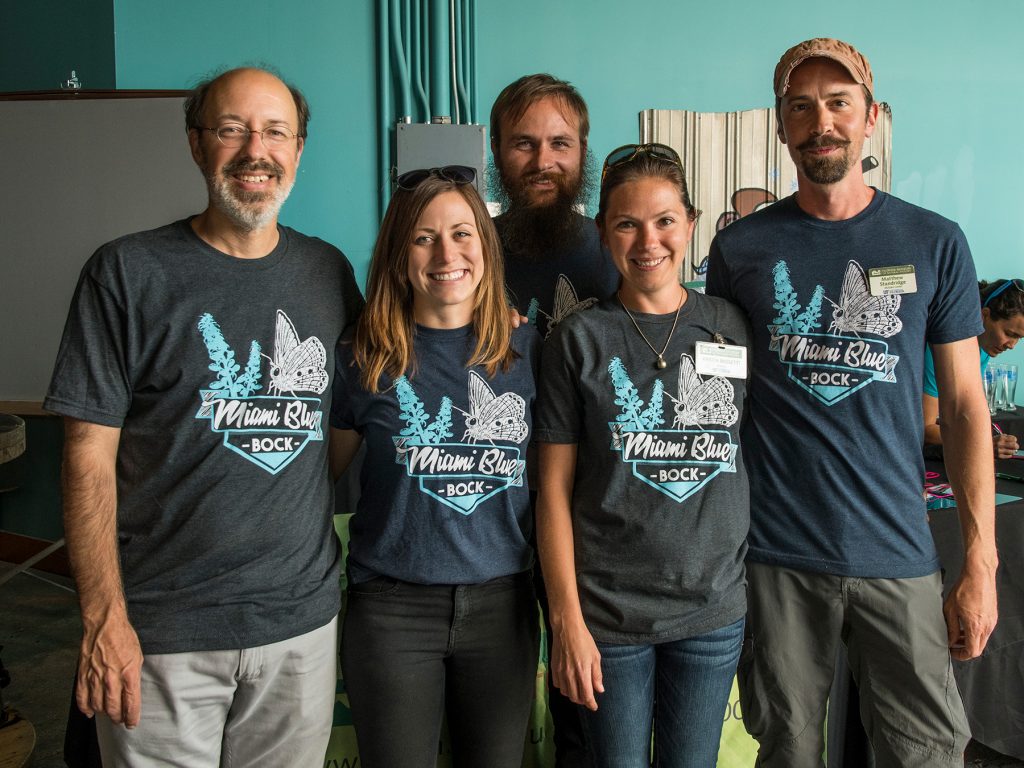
[627, 153]
[456, 174]
[1016, 283]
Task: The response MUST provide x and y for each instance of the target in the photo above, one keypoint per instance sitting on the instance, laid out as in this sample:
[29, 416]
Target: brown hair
[384, 334]
[1002, 301]
[197, 99]
[519, 96]
[645, 166]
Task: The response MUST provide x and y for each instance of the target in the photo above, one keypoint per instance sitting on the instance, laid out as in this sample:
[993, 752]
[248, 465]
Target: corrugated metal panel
[735, 164]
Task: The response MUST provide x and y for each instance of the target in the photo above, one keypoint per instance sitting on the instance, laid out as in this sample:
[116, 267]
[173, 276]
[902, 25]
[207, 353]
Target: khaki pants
[896, 643]
[270, 706]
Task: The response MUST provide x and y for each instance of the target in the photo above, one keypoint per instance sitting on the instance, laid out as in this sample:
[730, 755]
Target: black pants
[412, 653]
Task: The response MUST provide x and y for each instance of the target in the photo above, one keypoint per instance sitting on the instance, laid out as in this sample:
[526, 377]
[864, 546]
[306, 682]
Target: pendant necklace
[659, 363]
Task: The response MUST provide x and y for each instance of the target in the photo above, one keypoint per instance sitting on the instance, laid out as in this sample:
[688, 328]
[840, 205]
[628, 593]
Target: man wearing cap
[844, 285]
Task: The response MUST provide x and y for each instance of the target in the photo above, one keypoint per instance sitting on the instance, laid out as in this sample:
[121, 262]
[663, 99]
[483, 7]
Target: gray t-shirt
[216, 370]
[659, 505]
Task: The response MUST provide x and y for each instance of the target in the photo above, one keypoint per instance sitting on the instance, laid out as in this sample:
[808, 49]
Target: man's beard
[533, 230]
[826, 170]
[248, 210]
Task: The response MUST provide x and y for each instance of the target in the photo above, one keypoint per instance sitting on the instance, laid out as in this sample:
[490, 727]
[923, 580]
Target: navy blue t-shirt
[833, 442]
[443, 484]
[549, 287]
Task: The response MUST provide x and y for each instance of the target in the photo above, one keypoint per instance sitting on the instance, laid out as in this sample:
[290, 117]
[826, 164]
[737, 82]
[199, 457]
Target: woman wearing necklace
[643, 508]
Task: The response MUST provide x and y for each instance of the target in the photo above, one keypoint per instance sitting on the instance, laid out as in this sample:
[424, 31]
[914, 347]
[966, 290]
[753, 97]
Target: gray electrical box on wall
[432, 145]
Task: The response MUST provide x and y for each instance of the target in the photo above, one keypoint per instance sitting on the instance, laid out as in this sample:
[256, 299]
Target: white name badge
[890, 281]
[726, 360]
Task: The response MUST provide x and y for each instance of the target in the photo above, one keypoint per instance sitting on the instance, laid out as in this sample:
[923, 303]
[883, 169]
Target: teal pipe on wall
[384, 120]
[460, 39]
[400, 57]
[440, 93]
[419, 60]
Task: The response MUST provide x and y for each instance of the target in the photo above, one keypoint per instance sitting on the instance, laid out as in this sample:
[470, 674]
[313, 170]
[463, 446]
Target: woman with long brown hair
[440, 614]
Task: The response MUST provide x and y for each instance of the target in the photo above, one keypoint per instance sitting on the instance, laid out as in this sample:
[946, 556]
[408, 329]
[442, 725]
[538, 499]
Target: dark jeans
[680, 688]
[412, 653]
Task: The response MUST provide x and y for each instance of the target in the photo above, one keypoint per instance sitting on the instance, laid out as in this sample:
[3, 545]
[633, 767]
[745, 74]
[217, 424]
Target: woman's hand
[1005, 446]
[576, 665]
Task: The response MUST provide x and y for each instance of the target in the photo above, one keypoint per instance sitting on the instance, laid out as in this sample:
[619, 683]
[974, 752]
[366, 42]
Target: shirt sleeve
[346, 380]
[717, 282]
[559, 399]
[91, 377]
[955, 311]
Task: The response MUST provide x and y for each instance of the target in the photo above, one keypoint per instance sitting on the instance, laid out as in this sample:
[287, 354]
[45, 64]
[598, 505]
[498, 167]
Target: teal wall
[326, 47]
[952, 70]
[43, 40]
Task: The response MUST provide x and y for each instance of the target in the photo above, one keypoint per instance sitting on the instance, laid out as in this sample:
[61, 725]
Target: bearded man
[193, 377]
[844, 286]
[555, 264]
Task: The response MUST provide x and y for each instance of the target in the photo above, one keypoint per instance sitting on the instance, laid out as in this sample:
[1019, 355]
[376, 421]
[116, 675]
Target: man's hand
[970, 612]
[515, 318]
[110, 659]
[109, 671]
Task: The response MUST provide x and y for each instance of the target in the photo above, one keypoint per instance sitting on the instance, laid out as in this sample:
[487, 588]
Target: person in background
[555, 264]
[642, 515]
[194, 378]
[1002, 313]
[440, 611]
[844, 286]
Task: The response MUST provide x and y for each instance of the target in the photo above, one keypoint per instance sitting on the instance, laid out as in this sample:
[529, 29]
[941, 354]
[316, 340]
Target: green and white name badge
[726, 360]
[890, 281]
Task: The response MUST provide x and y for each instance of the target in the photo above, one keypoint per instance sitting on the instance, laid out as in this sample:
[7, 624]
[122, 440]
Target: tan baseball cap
[829, 48]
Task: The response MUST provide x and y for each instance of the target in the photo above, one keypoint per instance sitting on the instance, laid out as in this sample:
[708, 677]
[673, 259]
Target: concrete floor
[39, 632]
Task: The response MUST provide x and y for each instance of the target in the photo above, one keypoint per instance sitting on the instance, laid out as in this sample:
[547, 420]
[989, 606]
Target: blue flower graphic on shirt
[462, 475]
[833, 365]
[681, 460]
[268, 430]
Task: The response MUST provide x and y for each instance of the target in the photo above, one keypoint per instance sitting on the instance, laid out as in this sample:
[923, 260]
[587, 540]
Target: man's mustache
[823, 141]
[248, 166]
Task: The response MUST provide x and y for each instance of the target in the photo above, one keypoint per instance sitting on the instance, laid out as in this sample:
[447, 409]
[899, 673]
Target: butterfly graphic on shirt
[296, 366]
[859, 312]
[566, 303]
[493, 417]
[702, 401]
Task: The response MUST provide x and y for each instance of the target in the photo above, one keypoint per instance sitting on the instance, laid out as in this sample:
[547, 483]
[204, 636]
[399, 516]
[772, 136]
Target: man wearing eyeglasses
[845, 285]
[194, 377]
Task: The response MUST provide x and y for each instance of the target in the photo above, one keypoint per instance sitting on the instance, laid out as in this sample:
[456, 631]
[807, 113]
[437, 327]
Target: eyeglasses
[456, 174]
[1016, 283]
[238, 135]
[627, 153]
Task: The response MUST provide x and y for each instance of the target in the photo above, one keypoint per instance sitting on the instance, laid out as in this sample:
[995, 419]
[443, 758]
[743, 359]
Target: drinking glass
[989, 380]
[1011, 386]
[1000, 373]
